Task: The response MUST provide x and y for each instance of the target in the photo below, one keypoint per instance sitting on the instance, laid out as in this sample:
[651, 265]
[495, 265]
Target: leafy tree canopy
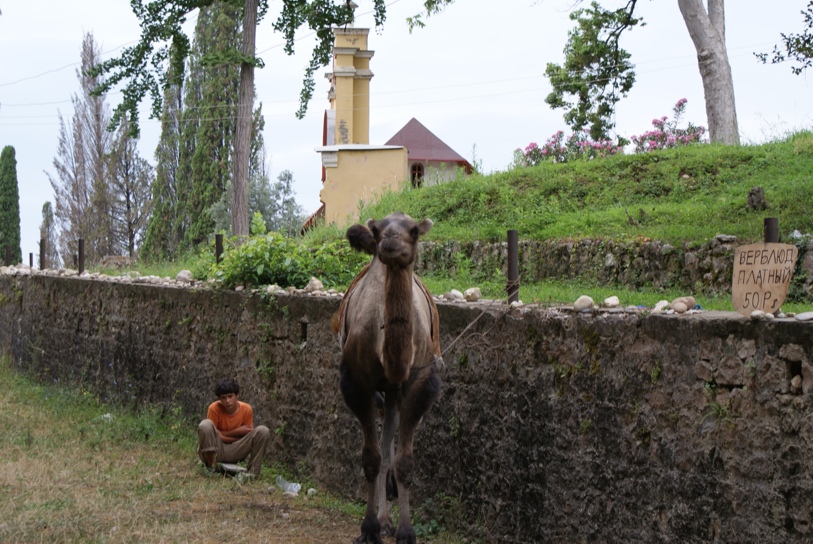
[795, 47]
[142, 68]
[596, 72]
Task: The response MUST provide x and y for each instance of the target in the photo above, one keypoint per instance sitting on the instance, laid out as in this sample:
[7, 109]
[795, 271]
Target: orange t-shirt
[224, 422]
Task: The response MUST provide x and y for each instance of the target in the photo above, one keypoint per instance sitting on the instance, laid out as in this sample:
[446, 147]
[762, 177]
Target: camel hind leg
[386, 474]
[361, 402]
[418, 396]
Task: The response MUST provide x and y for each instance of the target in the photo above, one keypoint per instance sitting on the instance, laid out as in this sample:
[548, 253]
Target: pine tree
[9, 206]
[82, 200]
[98, 180]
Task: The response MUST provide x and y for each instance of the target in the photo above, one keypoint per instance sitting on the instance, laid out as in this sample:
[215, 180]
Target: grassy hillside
[688, 194]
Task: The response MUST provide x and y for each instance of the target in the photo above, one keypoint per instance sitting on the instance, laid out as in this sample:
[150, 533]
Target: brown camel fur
[388, 328]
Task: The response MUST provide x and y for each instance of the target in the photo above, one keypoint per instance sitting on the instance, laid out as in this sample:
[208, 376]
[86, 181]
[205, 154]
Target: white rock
[454, 295]
[612, 302]
[688, 301]
[516, 304]
[756, 315]
[239, 288]
[472, 294]
[314, 285]
[679, 307]
[272, 289]
[804, 316]
[185, 276]
[796, 384]
[583, 303]
[660, 306]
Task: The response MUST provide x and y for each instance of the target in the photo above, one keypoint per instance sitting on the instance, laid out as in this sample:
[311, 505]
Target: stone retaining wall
[551, 426]
[705, 268]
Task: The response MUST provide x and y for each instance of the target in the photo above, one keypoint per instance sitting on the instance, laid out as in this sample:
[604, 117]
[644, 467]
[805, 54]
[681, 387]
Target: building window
[416, 174]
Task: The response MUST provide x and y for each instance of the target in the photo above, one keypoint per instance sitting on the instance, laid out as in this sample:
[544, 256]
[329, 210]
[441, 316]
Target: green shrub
[276, 259]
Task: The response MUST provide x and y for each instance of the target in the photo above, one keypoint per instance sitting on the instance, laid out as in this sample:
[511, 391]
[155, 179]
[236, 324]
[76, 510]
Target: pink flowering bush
[666, 134]
[558, 149]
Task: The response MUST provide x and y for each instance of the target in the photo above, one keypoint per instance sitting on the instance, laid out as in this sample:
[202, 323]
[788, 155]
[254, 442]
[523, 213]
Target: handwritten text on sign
[762, 274]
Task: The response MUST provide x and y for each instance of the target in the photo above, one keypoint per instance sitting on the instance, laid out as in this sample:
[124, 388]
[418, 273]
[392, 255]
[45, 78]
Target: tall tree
[707, 30]
[164, 235]
[596, 71]
[209, 117]
[82, 200]
[142, 68]
[48, 232]
[795, 47]
[129, 193]
[93, 114]
[287, 216]
[85, 184]
[71, 189]
[9, 206]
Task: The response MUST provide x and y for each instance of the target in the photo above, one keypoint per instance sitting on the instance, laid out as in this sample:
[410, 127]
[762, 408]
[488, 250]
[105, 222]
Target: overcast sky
[474, 76]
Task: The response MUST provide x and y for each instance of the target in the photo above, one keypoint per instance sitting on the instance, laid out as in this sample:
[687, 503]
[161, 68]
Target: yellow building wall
[360, 175]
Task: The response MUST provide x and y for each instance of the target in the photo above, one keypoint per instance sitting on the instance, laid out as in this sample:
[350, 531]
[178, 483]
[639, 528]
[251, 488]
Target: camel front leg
[362, 403]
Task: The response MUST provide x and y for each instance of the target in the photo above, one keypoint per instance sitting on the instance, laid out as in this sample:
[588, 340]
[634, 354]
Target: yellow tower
[350, 88]
[353, 170]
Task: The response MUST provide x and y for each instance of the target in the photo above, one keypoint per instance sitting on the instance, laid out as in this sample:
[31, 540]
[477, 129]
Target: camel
[387, 324]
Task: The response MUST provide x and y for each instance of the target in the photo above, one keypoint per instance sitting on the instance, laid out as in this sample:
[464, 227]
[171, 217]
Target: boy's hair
[226, 386]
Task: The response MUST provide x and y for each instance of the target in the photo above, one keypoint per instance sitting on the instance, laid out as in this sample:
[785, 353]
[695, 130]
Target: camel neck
[398, 324]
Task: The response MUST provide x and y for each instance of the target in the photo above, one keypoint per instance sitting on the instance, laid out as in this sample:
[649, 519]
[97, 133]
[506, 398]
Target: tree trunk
[707, 30]
[242, 140]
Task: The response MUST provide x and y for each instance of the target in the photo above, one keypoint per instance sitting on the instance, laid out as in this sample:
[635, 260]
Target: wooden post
[512, 286]
[771, 230]
[43, 260]
[218, 247]
[81, 255]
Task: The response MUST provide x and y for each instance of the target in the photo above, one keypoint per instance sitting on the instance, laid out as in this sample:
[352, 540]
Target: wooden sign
[762, 274]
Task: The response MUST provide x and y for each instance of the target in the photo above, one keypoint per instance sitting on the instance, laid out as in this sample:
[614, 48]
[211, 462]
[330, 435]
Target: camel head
[393, 239]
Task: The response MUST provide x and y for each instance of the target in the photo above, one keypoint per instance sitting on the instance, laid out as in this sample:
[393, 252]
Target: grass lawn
[73, 469]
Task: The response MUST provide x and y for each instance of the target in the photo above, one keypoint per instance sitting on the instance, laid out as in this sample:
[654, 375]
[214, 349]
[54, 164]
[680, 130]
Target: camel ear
[371, 224]
[425, 226]
[361, 239]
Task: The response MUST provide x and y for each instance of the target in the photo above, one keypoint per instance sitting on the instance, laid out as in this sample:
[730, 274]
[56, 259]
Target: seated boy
[228, 435]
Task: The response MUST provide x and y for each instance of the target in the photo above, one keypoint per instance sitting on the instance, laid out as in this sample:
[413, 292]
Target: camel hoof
[370, 531]
[405, 535]
[368, 539]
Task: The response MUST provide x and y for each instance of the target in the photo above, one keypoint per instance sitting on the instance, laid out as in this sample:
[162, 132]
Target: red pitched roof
[422, 145]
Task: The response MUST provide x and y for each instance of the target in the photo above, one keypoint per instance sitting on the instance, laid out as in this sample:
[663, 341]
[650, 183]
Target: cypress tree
[49, 234]
[209, 119]
[164, 228]
[9, 206]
